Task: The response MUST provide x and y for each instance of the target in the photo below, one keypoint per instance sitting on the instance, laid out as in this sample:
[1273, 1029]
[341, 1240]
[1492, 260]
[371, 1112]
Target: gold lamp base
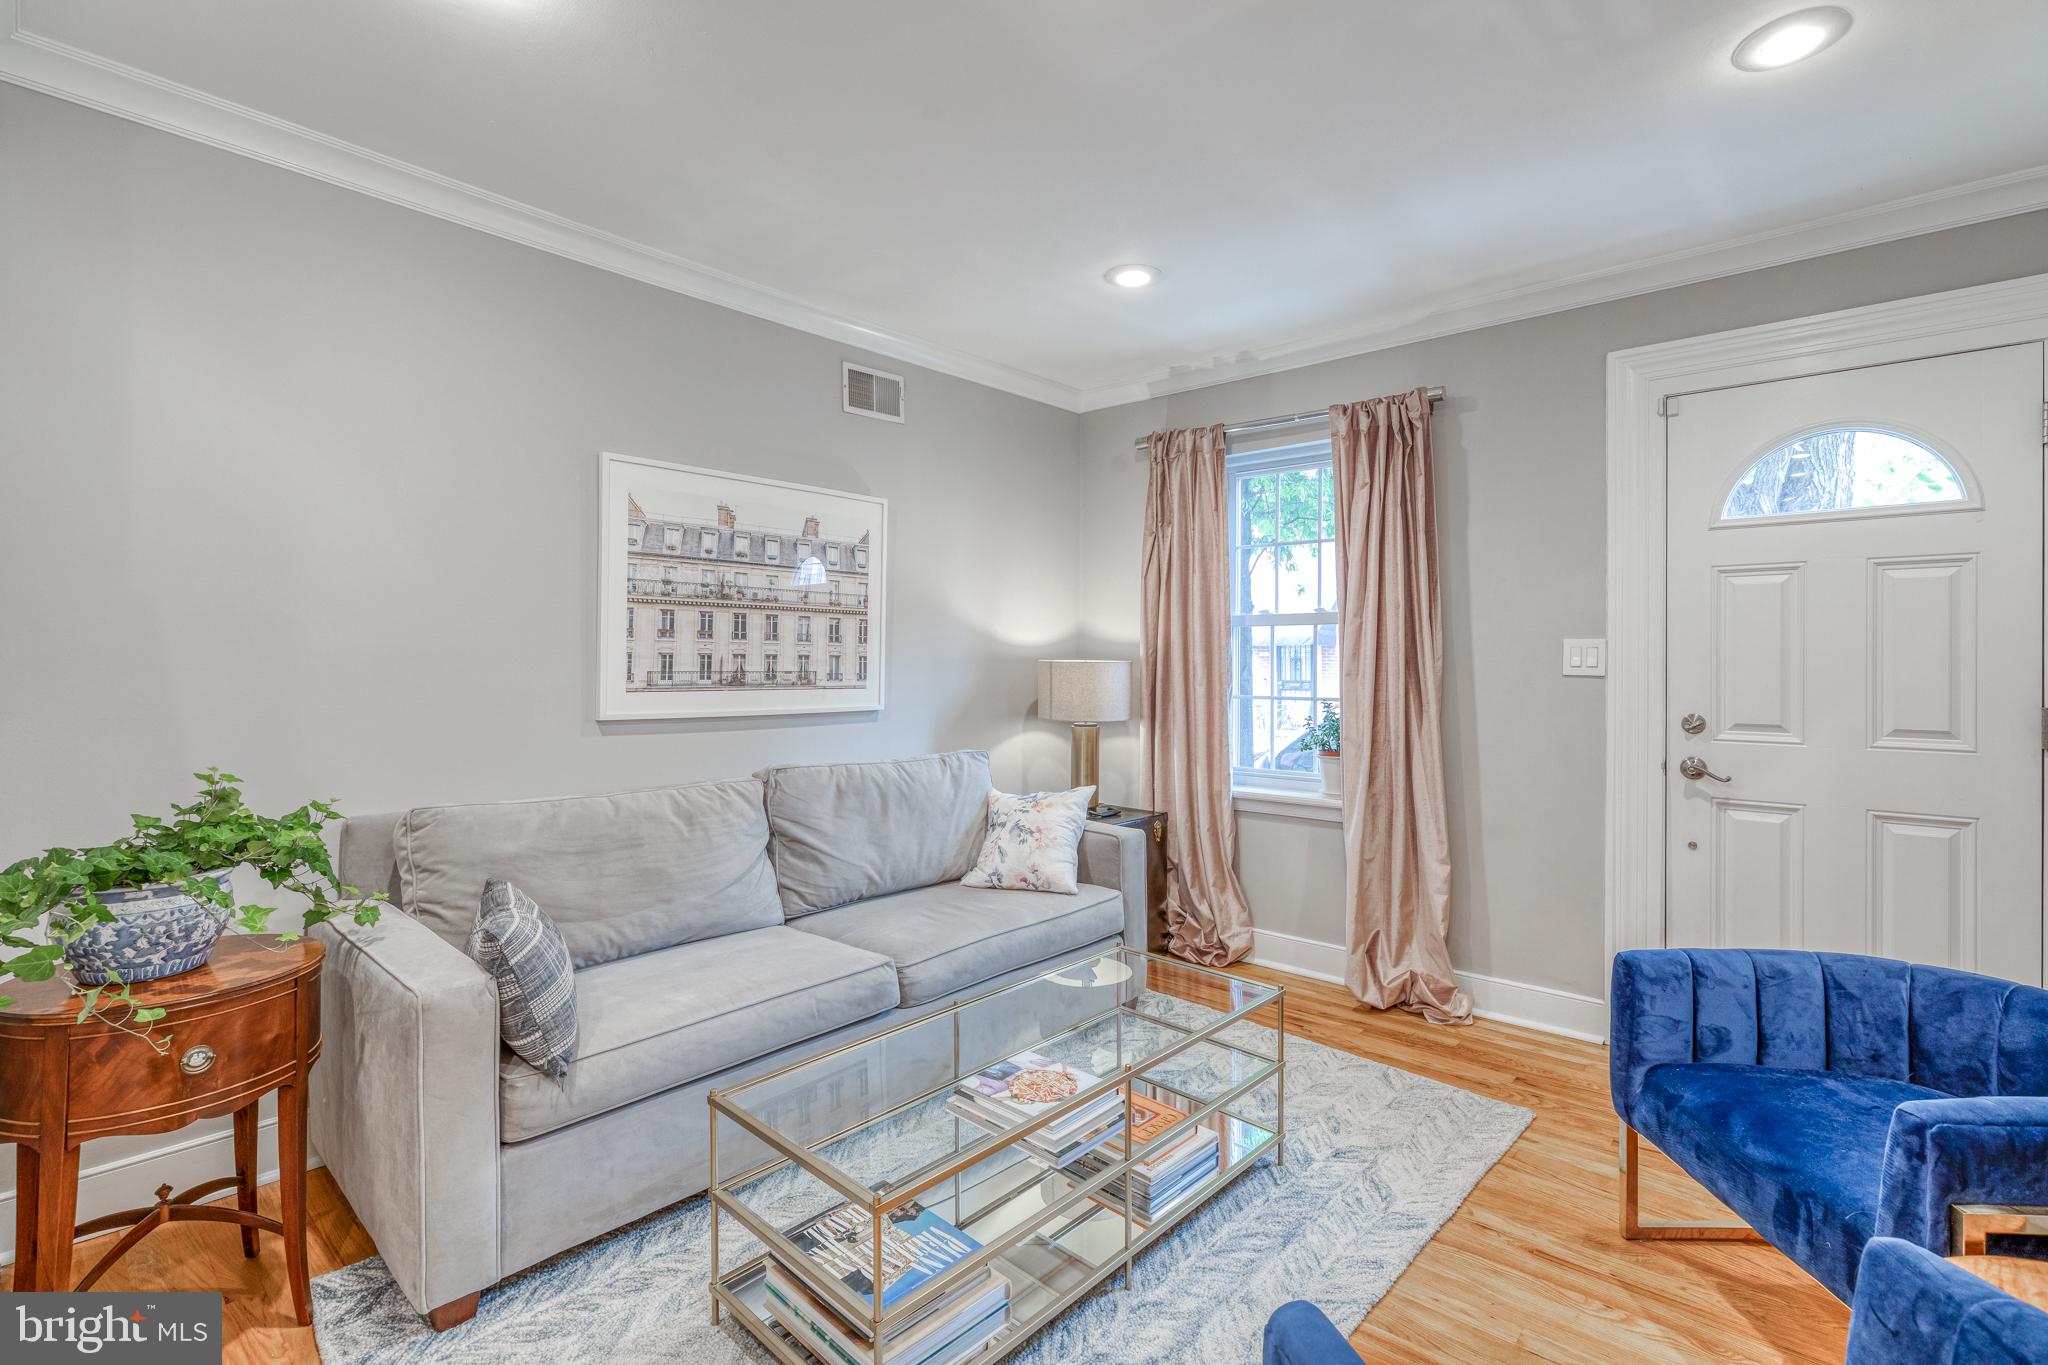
[1087, 765]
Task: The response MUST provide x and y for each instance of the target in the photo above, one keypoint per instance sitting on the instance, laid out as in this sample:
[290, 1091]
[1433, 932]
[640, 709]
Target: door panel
[1923, 653]
[1855, 608]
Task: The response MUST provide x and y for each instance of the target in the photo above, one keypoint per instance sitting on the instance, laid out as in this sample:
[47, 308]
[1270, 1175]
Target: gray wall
[1521, 451]
[302, 483]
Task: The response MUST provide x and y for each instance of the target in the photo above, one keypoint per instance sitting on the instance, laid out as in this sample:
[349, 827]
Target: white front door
[1854, 753]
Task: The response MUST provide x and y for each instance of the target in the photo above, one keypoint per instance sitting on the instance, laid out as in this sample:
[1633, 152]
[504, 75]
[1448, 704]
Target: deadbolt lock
[1692, 723]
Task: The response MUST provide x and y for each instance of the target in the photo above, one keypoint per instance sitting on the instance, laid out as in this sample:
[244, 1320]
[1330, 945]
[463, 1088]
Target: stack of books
[1161, 1178]
[1018, 1089]
[917, 1245]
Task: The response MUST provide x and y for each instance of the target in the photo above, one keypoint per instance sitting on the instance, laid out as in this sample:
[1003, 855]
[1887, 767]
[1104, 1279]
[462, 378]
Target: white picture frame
[781, 586]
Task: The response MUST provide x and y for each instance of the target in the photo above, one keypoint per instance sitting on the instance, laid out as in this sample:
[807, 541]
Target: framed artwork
[730, 595]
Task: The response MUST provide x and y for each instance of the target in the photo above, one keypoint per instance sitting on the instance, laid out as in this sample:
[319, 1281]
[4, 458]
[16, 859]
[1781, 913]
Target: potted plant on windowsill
[154, 903]
[1326, 738]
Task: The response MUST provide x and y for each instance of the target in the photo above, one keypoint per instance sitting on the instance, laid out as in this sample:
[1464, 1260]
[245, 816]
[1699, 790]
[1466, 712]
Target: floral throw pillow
[1032, 841]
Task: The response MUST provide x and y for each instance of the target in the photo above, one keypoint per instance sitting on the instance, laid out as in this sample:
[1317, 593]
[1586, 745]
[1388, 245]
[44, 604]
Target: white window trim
[1313, 804]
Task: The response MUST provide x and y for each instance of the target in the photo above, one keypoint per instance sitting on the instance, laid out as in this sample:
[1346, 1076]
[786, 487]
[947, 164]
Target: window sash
[1301, 457]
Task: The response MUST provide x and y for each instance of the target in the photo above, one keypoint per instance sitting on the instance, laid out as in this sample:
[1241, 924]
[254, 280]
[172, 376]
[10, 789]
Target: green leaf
[148, 1015]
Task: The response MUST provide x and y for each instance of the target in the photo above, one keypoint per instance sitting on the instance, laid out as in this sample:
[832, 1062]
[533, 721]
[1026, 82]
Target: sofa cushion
[619, 874]
[842, 832]
[1798, 1154]
[946, 939]
[650, 1023]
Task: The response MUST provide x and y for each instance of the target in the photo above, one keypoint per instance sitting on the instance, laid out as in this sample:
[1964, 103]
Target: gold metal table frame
[1265, 1068]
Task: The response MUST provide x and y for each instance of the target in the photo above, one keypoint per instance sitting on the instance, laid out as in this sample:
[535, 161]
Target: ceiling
[947, 180]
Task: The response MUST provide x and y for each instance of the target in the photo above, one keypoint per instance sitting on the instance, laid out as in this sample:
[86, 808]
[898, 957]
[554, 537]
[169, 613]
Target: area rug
[1377, 1160]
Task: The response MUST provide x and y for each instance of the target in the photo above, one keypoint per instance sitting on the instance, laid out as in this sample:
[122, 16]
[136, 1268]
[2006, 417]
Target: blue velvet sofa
[1913, 1307]
[1830, 1098]
[1299, 1334]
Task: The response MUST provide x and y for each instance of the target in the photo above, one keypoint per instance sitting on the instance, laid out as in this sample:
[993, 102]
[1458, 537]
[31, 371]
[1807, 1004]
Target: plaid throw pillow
[517, 943]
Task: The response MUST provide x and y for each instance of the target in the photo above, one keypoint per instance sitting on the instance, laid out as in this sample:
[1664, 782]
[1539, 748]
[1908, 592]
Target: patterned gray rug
[1377, 1160]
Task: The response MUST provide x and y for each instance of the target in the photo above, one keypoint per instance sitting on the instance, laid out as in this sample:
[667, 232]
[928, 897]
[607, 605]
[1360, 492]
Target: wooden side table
[243, 1025]
[1154, 823]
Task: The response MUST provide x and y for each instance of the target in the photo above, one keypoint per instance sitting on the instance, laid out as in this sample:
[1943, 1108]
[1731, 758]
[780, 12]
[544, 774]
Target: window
[768, 663]
[668, 573]
[739, 625]
[705, 622]
[860, 669]
[803, 630]
[863, 630]
[860, 556]
[803, 669]
[672, 540]
[771, 549]
[667, 664]
[629, 665]
[832, 673]
[708, 580]
[739, 581]
[1843, 470]
[703, 668]
[771, 627]
[739, 669]
[740, 541]
[710, 542]
[1283, 568]
[667, 629]
[833, 632]
[629, 627]
[832, 556]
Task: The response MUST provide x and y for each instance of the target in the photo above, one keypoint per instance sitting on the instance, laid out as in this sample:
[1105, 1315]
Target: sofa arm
[1912, 1306]
[1650, 1019]
[1114, 856]
[404, 1102]
[1939, 1153]
[1299, 1334]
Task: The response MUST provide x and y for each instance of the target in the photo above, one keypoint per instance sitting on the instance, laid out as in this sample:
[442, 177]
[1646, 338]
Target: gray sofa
[718, 930]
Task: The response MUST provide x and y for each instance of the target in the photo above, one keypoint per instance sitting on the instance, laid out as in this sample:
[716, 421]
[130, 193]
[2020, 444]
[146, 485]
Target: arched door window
[1845, 470]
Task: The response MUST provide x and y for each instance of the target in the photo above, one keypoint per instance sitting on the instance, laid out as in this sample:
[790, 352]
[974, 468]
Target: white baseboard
[131, 1181]
[1544, 1008]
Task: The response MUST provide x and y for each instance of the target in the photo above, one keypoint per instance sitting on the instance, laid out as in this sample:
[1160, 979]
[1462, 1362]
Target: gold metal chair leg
[1636, 1228]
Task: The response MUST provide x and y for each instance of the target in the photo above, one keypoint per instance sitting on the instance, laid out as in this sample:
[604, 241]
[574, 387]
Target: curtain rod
[1435, 392]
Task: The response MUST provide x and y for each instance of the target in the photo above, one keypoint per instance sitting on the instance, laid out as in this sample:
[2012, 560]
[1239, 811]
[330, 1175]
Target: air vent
[870, 393]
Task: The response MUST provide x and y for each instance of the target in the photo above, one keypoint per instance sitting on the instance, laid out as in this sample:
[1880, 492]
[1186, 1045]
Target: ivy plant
[216, 831]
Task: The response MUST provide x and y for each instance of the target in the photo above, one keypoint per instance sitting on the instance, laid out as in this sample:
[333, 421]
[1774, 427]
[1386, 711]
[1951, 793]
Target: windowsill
[1292, 805]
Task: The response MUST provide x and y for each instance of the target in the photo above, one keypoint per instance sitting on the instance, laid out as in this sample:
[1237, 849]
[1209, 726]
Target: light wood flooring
[1530, 1268]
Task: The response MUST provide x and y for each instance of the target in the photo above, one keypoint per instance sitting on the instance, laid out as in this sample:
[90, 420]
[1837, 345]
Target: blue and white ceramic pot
[157, 931]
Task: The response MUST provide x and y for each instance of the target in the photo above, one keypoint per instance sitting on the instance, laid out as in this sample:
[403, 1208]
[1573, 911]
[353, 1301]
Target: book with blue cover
[917, 1245]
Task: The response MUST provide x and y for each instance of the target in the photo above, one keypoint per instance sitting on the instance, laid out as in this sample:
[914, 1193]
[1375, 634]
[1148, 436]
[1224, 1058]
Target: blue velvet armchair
[1299, 1334]
[1827, 1098]
[1913, 1307]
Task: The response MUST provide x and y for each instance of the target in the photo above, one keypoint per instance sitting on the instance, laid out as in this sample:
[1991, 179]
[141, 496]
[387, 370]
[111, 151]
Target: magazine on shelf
[917, 1245]
[1025, 1085]
[970, 1314]
[1072, 1149]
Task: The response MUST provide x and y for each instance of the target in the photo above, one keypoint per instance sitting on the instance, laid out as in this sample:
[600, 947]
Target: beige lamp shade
[1084, 691]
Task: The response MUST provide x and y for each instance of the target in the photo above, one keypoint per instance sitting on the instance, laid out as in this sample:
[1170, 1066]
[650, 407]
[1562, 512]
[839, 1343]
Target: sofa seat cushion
[946, 939]
[650, 1023]
[1798, 1154]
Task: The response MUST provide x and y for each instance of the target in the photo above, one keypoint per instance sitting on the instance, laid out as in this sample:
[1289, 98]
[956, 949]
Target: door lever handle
[1693, 769]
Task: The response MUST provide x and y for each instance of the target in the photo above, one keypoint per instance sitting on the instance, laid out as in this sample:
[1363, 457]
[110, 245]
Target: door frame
[1639, 381]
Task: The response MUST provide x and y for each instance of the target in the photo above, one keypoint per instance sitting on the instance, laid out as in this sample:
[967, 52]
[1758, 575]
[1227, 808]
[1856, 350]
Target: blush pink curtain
[1397, 848]
[1185, 690]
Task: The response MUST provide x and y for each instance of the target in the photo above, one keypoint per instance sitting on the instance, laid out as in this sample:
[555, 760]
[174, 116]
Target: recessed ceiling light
[1131, 276]
[1791, 39]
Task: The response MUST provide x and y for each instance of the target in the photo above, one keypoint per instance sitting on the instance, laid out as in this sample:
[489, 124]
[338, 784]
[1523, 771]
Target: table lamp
[1086, 693]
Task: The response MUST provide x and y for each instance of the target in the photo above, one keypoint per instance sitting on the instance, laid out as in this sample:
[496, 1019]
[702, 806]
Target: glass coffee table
[988, 1164]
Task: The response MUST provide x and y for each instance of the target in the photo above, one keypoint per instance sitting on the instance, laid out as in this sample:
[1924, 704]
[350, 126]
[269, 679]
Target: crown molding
[71, 73]
[1959, 206]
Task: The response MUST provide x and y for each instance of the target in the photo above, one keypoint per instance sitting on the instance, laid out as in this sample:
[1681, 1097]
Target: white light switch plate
[1585, 658]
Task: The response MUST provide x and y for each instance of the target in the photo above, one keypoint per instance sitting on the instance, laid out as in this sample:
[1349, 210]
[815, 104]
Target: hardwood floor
[1530, 1268]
